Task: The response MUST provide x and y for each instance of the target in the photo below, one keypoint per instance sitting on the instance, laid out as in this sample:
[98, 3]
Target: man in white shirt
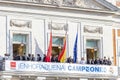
[6, 56]
[82, 61]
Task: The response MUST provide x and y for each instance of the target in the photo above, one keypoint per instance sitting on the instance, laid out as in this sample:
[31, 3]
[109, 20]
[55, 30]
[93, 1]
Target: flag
[75, 49]
[62, 55]
[49, 52]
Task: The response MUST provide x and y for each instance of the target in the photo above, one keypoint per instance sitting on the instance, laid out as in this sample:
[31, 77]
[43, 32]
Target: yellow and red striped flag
[62, 55]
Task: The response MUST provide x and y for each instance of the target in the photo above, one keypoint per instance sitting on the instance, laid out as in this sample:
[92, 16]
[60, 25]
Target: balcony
[46, 69]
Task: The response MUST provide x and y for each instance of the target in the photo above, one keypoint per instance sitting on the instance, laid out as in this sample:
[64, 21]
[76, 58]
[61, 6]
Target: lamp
[59, 47]
[59, 42]
[22, 44]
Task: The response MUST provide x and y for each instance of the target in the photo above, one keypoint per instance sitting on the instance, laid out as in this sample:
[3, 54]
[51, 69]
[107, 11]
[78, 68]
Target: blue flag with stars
[75, 49]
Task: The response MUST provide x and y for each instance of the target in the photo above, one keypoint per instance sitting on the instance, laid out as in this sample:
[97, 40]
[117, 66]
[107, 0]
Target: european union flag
[75, 49]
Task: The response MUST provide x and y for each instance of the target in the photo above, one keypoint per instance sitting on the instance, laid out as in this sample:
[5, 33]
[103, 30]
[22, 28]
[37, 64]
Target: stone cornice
[57, 7]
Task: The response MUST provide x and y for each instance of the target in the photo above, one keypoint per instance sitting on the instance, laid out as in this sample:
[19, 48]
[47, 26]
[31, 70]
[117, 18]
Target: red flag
[49, 52]
[62, 55]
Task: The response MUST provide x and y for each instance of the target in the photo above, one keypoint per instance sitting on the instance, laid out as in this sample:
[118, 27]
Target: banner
[61, 68]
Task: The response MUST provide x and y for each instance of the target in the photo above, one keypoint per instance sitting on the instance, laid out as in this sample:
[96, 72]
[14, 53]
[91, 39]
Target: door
[19, 44]
[19, 49]
[56, 50]
[90, 54]
[92, 49]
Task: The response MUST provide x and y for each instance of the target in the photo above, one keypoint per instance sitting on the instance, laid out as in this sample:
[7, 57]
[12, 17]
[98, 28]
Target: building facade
[115, 2]
[26, 26]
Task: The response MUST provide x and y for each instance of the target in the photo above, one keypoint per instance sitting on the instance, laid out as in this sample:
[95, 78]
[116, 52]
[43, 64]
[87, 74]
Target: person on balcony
[105, 61]
[6, 56]
[53, 58]
[82, 61]
[29, 58]
[92, 61]
[109, 61]
[33, 57]
[44, 57]
[56, 58]
[97, 61]
[38, 57]
[24, 57]
[18, 57]
[88, 61]
[101, 61]
[69, 60]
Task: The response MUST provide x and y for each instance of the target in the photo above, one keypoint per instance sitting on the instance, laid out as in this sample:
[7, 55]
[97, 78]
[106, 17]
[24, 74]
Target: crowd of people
[98, 61]
[54, 58]
[30, 57]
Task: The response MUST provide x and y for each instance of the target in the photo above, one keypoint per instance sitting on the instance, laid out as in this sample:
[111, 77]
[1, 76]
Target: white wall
[107, 41]
[2, 35]
[38, 42]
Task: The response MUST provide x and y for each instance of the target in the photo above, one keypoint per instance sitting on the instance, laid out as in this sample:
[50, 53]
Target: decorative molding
[46, 1]
[20, 23]
[93, 29]
[64, 3]
[58, 26]
[86, 4]
[69, 2]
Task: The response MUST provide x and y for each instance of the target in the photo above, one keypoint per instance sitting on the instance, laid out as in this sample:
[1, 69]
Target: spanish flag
[62, 55]
[49, 52]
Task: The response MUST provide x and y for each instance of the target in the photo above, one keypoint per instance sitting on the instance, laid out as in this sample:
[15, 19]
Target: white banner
[61, 68]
